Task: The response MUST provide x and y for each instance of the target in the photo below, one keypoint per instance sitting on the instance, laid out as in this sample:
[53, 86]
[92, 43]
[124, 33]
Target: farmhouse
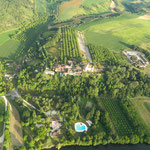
[10, 76]
[60, 68]
[88, 68]
[47, 71]
[136, 58]
[55, 126]
[75, 70]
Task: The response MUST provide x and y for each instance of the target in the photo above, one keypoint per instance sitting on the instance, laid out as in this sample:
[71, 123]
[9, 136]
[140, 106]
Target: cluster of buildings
[71, 69]
[136, 58]
[11, 69]
[55, 123]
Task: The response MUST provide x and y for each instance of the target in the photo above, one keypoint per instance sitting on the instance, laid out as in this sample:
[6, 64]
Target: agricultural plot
[102, 55]
[15, 133]
[2, 111]
[118, 118]
[143, 108]
[68, 45]
[72, 8]
[117, 33]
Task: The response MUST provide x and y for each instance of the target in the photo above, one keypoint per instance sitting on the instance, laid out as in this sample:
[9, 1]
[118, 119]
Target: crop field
[72, 8]
[117, 33]
[118, 118]
[68, 45]
[62, 43]
[2, 110]
[8, 46]
[102, 55]
[143, 108]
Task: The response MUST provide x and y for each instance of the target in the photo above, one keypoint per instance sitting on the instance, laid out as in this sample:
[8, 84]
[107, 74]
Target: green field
[117, 33]
[143, 107]
[72, 8]
[8, 47]
[6, 36]
[118, 118]
[2, 110]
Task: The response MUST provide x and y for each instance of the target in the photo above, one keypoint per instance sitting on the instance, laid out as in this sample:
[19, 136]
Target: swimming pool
[80, 127]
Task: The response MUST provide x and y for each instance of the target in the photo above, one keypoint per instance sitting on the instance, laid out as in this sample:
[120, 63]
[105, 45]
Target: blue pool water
[80, 127]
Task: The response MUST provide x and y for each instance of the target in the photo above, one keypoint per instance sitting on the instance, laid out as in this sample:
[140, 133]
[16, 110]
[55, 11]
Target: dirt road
[84, 49]
[16, 134]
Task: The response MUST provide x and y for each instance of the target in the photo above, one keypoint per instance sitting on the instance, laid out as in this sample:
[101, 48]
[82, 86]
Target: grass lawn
[145, 70]
[8, 47]
[5, 36]
[117, 32]
[2, 111]
[53, 51]
[143, 107]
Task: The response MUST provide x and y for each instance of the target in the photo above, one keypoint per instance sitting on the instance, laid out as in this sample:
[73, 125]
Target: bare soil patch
[112, 5]
[147, 101]
[136, 2]
[145, 17]
[73, 3]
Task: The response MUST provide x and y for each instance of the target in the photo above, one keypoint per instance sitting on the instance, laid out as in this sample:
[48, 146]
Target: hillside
[74, 72]
[72, 8]
[14, 12]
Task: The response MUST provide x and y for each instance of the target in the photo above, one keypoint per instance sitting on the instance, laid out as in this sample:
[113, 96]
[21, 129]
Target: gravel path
[18, 95]
[83, 47]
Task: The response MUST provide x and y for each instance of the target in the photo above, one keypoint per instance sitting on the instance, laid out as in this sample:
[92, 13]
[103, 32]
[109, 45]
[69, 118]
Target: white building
[47, 71]
[89, 68]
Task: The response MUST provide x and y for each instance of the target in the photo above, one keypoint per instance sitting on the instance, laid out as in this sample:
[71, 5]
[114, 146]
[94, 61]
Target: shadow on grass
[126, 45]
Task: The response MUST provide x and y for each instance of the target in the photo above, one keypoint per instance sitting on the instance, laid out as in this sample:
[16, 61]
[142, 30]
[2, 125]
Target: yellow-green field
[142, 105]
[72, 8]
[117, 33]
[5, 36]
[8, 47]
